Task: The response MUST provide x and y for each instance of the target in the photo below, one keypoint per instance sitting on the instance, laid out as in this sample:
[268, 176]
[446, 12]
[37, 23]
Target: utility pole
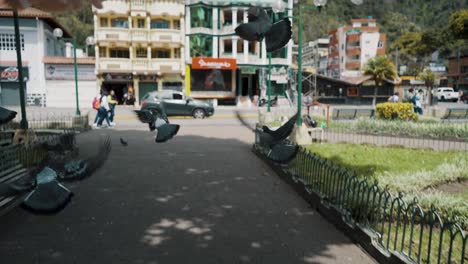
[458, 67]
[396, 61]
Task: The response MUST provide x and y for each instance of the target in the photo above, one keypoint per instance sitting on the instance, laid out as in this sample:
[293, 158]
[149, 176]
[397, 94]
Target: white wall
[369, 43]
[62, 93]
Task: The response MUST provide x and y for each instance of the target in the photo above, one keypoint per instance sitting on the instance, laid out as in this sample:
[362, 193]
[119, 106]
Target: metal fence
[364, 136]
[50, 121]
[403, 229]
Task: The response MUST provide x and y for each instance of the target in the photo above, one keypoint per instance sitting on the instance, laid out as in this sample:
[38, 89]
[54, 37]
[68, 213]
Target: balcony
[167, 65]
[139, 35]
[169, 8]
[113, 34]
[353, 51]
[140, 65]
[169, 36]
[353, 37]
[114, 65]
[353, 64]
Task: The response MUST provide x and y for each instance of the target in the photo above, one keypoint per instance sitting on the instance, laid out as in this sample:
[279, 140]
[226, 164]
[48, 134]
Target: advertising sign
[10, 73]
[67, 72]
[202, 63]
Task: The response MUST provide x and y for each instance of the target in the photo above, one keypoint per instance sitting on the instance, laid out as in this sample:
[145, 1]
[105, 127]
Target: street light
[58, 33]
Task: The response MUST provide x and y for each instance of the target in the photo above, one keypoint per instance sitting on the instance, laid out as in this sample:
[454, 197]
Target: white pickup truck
[446, 94]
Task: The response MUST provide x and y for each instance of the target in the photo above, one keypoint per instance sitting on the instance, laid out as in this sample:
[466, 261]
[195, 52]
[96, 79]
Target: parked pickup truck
[447, 94]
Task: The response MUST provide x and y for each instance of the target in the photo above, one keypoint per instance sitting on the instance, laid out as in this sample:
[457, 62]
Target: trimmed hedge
[396, 111]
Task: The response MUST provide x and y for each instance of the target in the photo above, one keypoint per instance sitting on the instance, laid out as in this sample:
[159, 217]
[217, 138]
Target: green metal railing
[403, 229]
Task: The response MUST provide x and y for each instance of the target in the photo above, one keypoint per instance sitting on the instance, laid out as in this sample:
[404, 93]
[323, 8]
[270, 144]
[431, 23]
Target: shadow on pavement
[191, 200]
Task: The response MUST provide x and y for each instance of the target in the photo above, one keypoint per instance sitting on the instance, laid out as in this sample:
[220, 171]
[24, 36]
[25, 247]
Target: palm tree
[429, 78]
[380, 68]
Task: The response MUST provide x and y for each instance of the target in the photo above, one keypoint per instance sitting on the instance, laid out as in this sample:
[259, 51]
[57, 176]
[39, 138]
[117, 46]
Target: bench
[455, 114]
[351, 113]
[10, 170]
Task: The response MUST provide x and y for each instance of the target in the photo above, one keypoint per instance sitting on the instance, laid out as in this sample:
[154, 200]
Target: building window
[281, 53]
[228, 46]
[102, 52]
[252, 47]
[227, 17]
[201, 46]
[141, 53]
[176, 53]
[342, 46]
[160, 54]
[240, 45]
[173, 86]
[120, 53]
[7, 41]
[119, 23]
[176, 24]
[201, 17]
[103, 22]
[380, 45]
[140, 23]
[159, 23]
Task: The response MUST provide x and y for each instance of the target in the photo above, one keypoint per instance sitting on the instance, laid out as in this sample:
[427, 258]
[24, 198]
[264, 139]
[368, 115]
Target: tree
[429, 78]
[380, 68]
[458, 24]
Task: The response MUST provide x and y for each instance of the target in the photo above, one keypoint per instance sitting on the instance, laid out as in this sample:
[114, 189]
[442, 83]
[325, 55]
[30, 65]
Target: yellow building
[139, 47]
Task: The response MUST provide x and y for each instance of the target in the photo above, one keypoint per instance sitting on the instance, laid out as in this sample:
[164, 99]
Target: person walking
[104, 111]
[417, 102]
[112, 99]
[96, 106]
[460, 96]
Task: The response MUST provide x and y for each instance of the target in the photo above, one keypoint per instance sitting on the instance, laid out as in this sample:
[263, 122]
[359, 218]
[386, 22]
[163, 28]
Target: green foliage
[458, 24]
[428, 77]
[78, 23]
[396, 111]
[417, 129]
[380, 68]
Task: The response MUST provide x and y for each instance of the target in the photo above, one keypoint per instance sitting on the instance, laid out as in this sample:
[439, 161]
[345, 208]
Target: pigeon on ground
[123, 142]
[49, 196]
[259, 26]
[158, 122]
[275, 142]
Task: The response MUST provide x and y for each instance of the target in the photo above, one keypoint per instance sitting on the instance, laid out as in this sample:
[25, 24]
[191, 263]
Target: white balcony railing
[113, 34]
[140, 65]
[114, 64]
[139, 35]
[166, 65]
[166, 8]
[166, 36]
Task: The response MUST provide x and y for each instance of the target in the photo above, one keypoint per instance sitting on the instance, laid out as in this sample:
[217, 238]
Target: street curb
[357, 234]
[126, 117]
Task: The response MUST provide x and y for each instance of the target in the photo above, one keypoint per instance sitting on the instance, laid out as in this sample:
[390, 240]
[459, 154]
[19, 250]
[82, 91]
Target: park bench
[351, 113]
[11, 170]
[455, 114]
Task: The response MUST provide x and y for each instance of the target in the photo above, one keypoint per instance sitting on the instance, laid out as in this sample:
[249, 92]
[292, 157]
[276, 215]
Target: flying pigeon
[49, 196]
[259, 26]
[6, 115]
[123, 142]
[160, 123]
[275, 142]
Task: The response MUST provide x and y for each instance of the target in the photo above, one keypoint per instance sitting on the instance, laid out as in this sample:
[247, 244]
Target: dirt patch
[453, 187]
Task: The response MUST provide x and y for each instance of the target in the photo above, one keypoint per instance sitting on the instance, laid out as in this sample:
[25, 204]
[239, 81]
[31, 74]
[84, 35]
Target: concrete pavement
[203, 197]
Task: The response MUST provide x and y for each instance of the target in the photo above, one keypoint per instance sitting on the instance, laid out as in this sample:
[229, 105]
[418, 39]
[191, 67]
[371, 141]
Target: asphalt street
[202, 197]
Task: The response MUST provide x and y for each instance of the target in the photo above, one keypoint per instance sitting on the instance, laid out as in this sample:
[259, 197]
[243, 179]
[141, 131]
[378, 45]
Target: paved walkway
[203, 197]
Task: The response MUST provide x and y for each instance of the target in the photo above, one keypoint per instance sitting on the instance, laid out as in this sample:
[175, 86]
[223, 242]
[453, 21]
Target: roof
[35, 13]
[65, 60]
[362, 20]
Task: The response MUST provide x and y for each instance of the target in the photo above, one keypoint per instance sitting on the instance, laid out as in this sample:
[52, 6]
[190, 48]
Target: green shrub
[396, 111]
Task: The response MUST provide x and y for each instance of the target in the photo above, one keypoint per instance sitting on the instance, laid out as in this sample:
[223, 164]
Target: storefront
[9, 85]
[212, 78]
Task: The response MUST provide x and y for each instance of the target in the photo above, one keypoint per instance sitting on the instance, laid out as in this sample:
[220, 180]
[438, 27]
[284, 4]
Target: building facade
[37, 42]
[352, 45]
[139, 47]
[220, 65]
[457, 75]
[315, 54]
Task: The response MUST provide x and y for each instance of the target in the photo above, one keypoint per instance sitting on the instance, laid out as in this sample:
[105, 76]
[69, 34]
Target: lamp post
[58, 33]
[19, 61]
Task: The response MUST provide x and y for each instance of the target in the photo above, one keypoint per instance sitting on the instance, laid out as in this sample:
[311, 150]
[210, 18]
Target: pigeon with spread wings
[158, 122]
[259, 26]
[275, 142]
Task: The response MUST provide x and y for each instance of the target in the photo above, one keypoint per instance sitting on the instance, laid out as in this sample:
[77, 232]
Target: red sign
[214, 63]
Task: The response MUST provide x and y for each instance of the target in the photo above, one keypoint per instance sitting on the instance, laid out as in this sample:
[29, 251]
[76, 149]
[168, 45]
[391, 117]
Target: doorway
[119, 89]
[246, 85]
